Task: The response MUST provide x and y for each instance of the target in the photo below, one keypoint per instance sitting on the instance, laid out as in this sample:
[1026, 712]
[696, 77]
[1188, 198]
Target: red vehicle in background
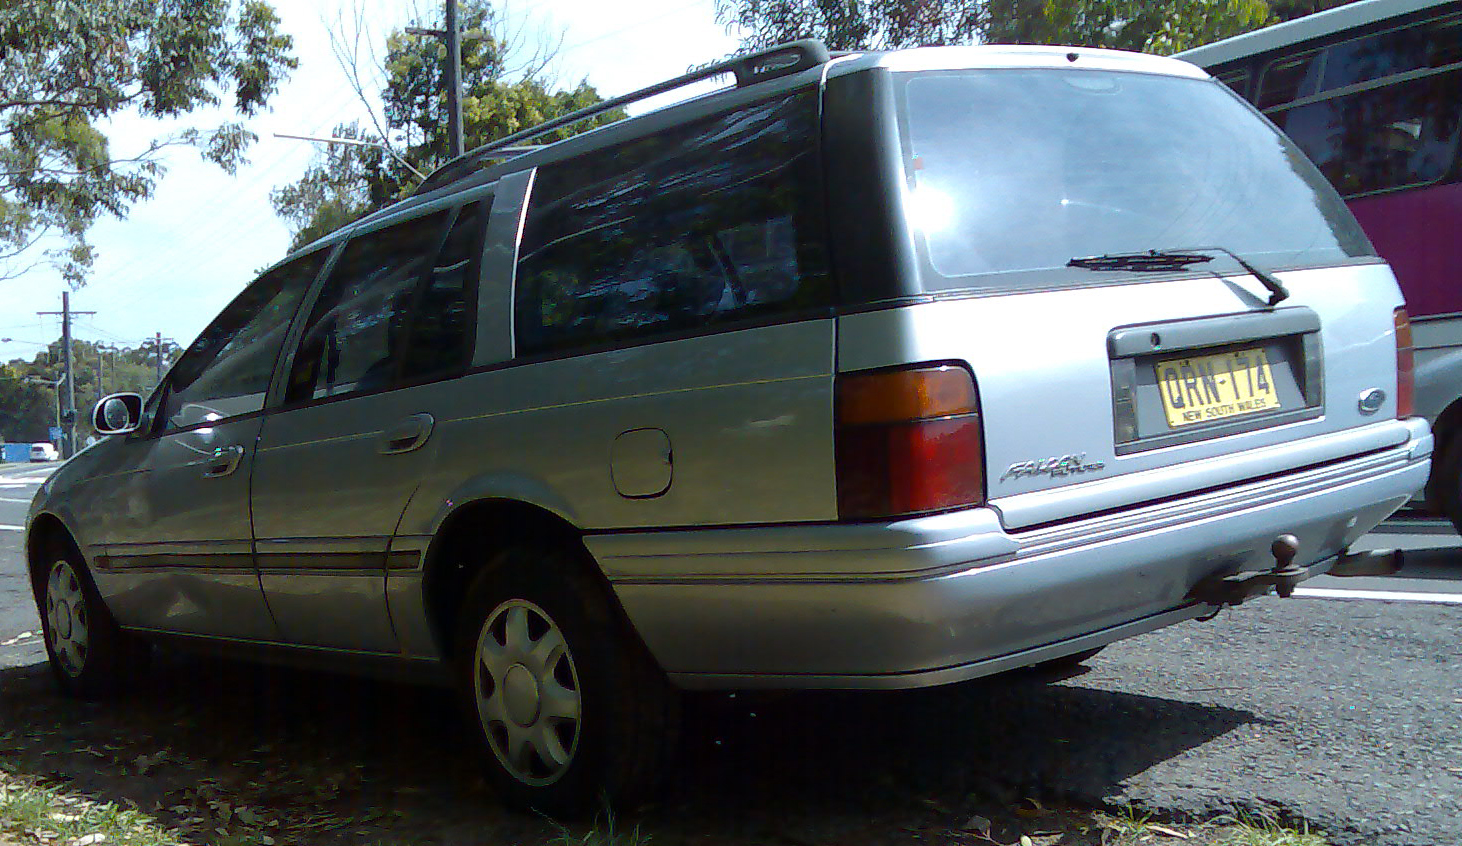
[1372, 92]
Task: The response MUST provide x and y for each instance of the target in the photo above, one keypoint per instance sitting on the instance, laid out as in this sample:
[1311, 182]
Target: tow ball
[1234, 588]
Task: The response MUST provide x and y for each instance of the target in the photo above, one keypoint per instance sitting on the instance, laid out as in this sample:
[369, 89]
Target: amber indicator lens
[902, 395]
[1405, 365]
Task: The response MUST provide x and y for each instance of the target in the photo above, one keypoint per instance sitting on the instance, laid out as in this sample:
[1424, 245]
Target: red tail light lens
[1405, 366]
[909, 441]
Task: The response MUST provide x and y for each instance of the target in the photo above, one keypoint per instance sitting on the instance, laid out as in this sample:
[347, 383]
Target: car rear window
[1012, 173]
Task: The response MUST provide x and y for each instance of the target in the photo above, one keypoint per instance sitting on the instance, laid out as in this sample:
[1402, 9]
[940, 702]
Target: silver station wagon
[875, 370]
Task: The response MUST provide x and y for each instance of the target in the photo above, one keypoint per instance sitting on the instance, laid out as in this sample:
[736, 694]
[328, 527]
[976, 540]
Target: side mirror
[117, 414]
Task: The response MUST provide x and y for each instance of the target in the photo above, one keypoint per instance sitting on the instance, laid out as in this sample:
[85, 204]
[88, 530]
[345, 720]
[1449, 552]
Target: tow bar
[1233, 589]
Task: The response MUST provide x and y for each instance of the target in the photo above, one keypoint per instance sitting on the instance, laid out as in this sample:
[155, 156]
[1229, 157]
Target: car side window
[715, 223]
[356, 334]
[226, 371]
[442, 323]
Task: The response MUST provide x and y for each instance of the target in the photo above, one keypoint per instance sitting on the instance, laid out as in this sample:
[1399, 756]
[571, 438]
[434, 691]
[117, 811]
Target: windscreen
[1012, 173]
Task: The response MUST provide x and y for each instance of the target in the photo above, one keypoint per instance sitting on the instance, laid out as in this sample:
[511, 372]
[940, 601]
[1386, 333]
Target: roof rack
[774, 62]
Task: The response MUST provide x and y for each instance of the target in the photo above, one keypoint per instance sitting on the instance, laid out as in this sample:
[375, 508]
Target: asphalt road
[19, 627]
[1341, 707]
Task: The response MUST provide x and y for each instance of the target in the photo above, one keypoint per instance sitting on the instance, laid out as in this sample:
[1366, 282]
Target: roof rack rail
[773, 62]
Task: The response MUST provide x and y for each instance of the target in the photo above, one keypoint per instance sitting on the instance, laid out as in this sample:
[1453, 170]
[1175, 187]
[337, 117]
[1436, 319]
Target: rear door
[340, 459]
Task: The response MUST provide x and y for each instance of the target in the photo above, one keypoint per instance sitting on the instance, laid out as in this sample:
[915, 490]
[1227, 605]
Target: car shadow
[310, 757]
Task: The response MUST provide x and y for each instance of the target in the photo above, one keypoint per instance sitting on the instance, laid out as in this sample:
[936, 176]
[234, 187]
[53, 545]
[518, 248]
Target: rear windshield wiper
[1148, 262]
[1160, 260]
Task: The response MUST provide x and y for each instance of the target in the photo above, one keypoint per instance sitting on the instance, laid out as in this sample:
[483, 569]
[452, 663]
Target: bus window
[1238, 80]
[1427, 45]
[1446, 48]
[1381, 139]
[1289, 79]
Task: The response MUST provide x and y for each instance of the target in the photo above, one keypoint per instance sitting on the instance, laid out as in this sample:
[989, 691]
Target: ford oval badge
[1371, 401]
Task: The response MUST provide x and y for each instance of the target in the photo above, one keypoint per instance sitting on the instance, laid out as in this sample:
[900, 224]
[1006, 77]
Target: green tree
[500, 96]
[66, 67]
[27, 395]
[1288, 10]
[1162, 26]
[26, 407]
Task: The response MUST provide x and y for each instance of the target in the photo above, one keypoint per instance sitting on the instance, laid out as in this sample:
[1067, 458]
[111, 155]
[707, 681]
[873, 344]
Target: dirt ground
[231, 753]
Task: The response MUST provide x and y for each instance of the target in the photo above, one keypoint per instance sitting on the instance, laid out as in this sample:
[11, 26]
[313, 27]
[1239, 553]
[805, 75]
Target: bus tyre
[90, 656]
[1447, 477]
[572, 713]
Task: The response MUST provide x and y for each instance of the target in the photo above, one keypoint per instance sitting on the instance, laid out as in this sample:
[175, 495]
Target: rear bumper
[953, 597]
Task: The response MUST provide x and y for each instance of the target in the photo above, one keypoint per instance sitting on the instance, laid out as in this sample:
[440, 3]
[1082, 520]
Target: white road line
[1383, 595]
[4, 528]
[11, 499]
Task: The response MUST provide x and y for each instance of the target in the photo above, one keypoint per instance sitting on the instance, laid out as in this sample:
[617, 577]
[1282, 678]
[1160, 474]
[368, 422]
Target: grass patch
[607, 834]
[1131, 827]
[1127, 826]
[1266, 830]
[47, 814]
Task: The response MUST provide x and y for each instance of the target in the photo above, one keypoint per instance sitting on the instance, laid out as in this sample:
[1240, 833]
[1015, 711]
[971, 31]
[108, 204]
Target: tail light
[909, 441]
[1405, 365]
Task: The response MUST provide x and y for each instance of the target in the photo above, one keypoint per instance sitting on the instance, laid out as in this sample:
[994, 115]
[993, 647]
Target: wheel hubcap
[520, 695]
[527, 692]
[66, 621]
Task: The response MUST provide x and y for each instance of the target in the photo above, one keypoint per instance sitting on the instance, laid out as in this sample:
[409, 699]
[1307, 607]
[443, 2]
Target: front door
[338, 462]
[176, 538]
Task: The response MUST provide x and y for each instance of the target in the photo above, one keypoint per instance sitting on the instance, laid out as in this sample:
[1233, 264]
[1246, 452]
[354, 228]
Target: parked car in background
[882, 370]
[44, 451]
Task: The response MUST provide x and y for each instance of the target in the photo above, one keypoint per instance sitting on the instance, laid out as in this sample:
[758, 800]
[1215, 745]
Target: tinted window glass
[1392, 137]
[1015, 172]
[356, 333]
[1429, 45]
[717, 221]
[442, 325]
[1237, 80]
[226, 370]
[1289, 79]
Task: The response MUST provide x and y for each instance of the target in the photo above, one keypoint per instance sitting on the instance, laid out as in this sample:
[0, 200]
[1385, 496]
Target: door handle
[224, 461]
[407, 435]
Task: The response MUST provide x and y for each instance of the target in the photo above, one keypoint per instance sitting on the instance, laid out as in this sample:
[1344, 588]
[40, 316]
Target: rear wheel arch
[464, 544]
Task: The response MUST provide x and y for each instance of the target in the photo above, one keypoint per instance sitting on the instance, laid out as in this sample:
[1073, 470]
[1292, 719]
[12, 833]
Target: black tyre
[573, 714]
[90, 656]
[1446, 481]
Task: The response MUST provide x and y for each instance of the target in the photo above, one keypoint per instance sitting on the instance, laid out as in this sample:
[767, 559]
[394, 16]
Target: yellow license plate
[1211, 387]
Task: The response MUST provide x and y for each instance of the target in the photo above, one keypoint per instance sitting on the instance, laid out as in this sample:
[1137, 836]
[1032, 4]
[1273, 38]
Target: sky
[178, 258]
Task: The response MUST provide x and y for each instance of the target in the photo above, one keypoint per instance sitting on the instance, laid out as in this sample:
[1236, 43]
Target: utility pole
[68, 416]
[452, 34]
[454, 82]
[157, 348]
